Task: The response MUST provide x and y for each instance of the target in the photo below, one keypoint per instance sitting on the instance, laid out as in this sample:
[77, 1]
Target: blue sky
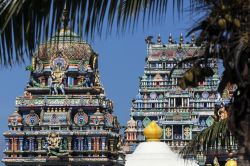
[121, 62]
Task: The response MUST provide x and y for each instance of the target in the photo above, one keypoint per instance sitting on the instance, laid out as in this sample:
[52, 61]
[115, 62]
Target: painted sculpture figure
[53, 142]
[57, 80]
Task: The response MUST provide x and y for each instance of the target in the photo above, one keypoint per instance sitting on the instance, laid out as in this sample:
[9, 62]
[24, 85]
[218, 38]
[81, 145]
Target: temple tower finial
[153, 132]
[193, 39]
[170, 39]
[181, 39]
[159, 39]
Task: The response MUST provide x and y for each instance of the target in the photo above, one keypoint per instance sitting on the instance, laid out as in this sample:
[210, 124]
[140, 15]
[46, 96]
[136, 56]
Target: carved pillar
[33, 144]
[30, 144]
[69, 143]
[94, 143]
[21, 144]
[89, 143]
[97, 143]
[164, 132]
[182, 133]
[15, 146]
[7, 143]
[39, 140]
[111, 144]
[82, 144]
[172, 131]
[79, 143]
[103, 143]
[12, 144]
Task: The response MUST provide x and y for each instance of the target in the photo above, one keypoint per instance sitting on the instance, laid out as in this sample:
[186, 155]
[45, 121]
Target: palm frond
[209, 137]
[24, 24]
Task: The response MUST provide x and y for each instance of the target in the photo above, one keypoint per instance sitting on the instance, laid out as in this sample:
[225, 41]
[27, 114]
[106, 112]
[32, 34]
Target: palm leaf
[208, 137]
[25, 24]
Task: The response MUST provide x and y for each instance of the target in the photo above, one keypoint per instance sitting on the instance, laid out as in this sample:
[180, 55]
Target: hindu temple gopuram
[63, 117]
[180, 113]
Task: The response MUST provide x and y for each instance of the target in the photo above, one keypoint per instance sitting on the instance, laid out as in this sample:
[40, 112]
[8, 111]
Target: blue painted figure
[87, 82]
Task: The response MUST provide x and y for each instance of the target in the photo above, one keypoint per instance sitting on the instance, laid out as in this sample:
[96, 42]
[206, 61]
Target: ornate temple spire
[181, 39]
[63, 71]
[170, 39]
[148, 39]
[159, 39]
[193, 39]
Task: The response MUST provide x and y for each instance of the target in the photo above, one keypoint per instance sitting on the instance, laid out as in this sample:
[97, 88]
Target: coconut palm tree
[226, 32]
[214, 141]
[224, 29]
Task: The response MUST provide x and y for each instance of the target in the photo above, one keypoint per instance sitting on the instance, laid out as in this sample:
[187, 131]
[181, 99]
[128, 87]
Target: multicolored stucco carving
[64, 117]
[181, 113]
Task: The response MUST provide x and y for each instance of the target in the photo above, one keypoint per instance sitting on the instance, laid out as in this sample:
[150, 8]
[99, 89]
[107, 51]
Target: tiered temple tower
[64, 117]
[181, 113]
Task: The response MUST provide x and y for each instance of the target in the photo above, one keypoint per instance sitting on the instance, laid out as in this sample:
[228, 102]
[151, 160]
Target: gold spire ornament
[153, 132]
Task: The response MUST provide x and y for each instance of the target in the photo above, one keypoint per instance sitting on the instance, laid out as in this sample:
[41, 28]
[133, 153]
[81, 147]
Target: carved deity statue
[97, 78]
[87, 81]
[119, 144]
[53, 142]
[56, 80]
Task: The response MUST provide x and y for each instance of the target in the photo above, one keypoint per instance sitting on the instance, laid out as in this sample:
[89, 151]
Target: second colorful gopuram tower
[181, 113]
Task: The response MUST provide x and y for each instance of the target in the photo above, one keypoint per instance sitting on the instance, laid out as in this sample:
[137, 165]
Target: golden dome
[231, 162]
[153, 132]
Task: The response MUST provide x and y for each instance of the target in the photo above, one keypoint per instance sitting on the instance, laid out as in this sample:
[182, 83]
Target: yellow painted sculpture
[53, 142]
[57, 80]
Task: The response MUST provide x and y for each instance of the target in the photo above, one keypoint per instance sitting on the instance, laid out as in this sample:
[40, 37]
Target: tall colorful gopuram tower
[181, 113]
[63, 117]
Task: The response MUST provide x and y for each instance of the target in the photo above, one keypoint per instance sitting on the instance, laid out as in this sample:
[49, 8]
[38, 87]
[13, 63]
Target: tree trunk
[239, 123]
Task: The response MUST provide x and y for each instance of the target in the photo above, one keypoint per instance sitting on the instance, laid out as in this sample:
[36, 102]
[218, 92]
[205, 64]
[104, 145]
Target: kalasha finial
[170, 39]
[159, 39]
[148, 39]
[193, 39]
[153, 132]
[181, 39]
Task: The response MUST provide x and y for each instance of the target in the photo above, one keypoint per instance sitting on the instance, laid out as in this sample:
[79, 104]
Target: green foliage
[209, 137]
[24, 24]
[29, 68]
